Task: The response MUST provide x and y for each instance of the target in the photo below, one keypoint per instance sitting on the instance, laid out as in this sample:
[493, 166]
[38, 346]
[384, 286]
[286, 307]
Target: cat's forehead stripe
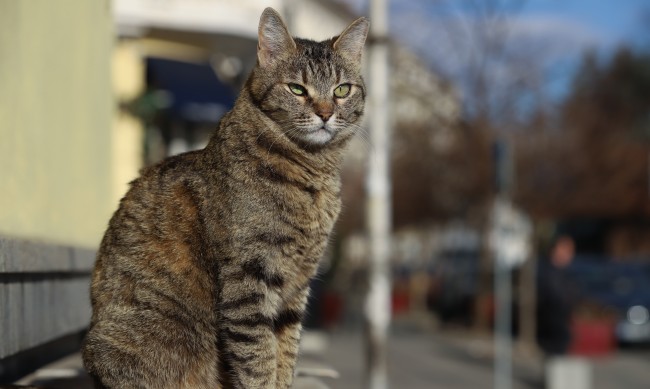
[311, 66]
[303, 74]
[315, 71]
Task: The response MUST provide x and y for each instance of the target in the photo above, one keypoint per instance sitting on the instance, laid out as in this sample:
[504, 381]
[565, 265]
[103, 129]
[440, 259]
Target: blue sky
[604, 23]
[550, 35]
[574, 25]
[612, 22]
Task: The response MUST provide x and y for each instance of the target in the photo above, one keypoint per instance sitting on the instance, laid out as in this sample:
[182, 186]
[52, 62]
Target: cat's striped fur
[202, 277]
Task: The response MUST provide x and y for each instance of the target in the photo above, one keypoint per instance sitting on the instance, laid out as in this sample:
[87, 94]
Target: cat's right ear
[274, 42]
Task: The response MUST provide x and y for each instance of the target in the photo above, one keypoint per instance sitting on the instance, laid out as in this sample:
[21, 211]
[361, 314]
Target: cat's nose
[323, 110]
[325, 115]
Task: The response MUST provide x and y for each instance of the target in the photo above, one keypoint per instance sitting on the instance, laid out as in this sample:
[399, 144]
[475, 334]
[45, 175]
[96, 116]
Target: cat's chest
[310, 209]
[288, 221]
[314, 210]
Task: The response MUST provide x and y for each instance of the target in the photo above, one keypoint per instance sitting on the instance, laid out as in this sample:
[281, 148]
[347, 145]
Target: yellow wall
[128, 75]
[56, 113]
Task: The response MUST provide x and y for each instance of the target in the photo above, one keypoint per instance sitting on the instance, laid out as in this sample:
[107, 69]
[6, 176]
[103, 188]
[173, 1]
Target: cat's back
[162, 206]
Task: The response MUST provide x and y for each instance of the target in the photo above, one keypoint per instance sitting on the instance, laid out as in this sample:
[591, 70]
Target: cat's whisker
[367, 142]
[292, 130]
[264, 129]
[363, 135]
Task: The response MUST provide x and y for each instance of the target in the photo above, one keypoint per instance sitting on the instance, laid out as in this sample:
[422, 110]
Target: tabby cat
[202, 277]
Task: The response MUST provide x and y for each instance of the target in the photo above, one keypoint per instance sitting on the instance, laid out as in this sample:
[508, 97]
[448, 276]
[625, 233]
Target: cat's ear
[274, 40]
[350, 43]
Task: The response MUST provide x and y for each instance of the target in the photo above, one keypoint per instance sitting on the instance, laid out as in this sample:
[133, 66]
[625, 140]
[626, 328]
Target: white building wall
[314, 20]
[234, 17]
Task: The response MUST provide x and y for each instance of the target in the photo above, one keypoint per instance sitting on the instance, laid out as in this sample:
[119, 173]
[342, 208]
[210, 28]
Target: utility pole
[510, 241]
[502, 273]
[378, 206]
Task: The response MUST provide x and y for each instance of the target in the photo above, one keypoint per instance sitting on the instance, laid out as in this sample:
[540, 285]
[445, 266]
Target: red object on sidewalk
[400, 302]
[331, 309]
[592, 337]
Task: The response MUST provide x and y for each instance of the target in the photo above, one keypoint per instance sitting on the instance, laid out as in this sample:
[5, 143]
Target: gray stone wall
[44, 293]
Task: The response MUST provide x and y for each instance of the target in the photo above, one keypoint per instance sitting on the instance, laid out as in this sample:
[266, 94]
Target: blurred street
[440, 361]
[437, 360]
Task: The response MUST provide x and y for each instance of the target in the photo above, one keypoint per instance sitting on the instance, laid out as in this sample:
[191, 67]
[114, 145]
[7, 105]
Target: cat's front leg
[288, 344]
[248, 339]
[287, 326]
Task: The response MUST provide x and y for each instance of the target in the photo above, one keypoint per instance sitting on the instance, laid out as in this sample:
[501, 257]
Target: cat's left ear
[350, 43]
[274, 42]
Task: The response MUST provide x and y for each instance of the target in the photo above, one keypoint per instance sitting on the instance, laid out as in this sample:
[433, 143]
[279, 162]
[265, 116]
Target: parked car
[455, 286]
[620, 289]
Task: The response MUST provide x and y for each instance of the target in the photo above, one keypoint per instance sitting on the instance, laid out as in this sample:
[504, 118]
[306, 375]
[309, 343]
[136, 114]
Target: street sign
[510, 234]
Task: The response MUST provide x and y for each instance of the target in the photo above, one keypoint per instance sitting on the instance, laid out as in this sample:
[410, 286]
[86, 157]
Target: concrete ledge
[44, 293]
[37, 312]
[19, 256]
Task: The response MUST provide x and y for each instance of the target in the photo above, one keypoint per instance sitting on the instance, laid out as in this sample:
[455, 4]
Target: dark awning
[195, 92]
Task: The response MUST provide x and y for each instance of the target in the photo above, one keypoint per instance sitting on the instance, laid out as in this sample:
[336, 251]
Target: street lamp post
[378, 219]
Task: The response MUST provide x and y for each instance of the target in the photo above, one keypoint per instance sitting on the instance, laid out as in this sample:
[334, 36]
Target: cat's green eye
[297, 90]
[342, 91]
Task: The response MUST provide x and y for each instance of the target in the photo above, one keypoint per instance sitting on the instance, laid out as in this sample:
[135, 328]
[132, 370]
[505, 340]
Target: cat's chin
[316, 137]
